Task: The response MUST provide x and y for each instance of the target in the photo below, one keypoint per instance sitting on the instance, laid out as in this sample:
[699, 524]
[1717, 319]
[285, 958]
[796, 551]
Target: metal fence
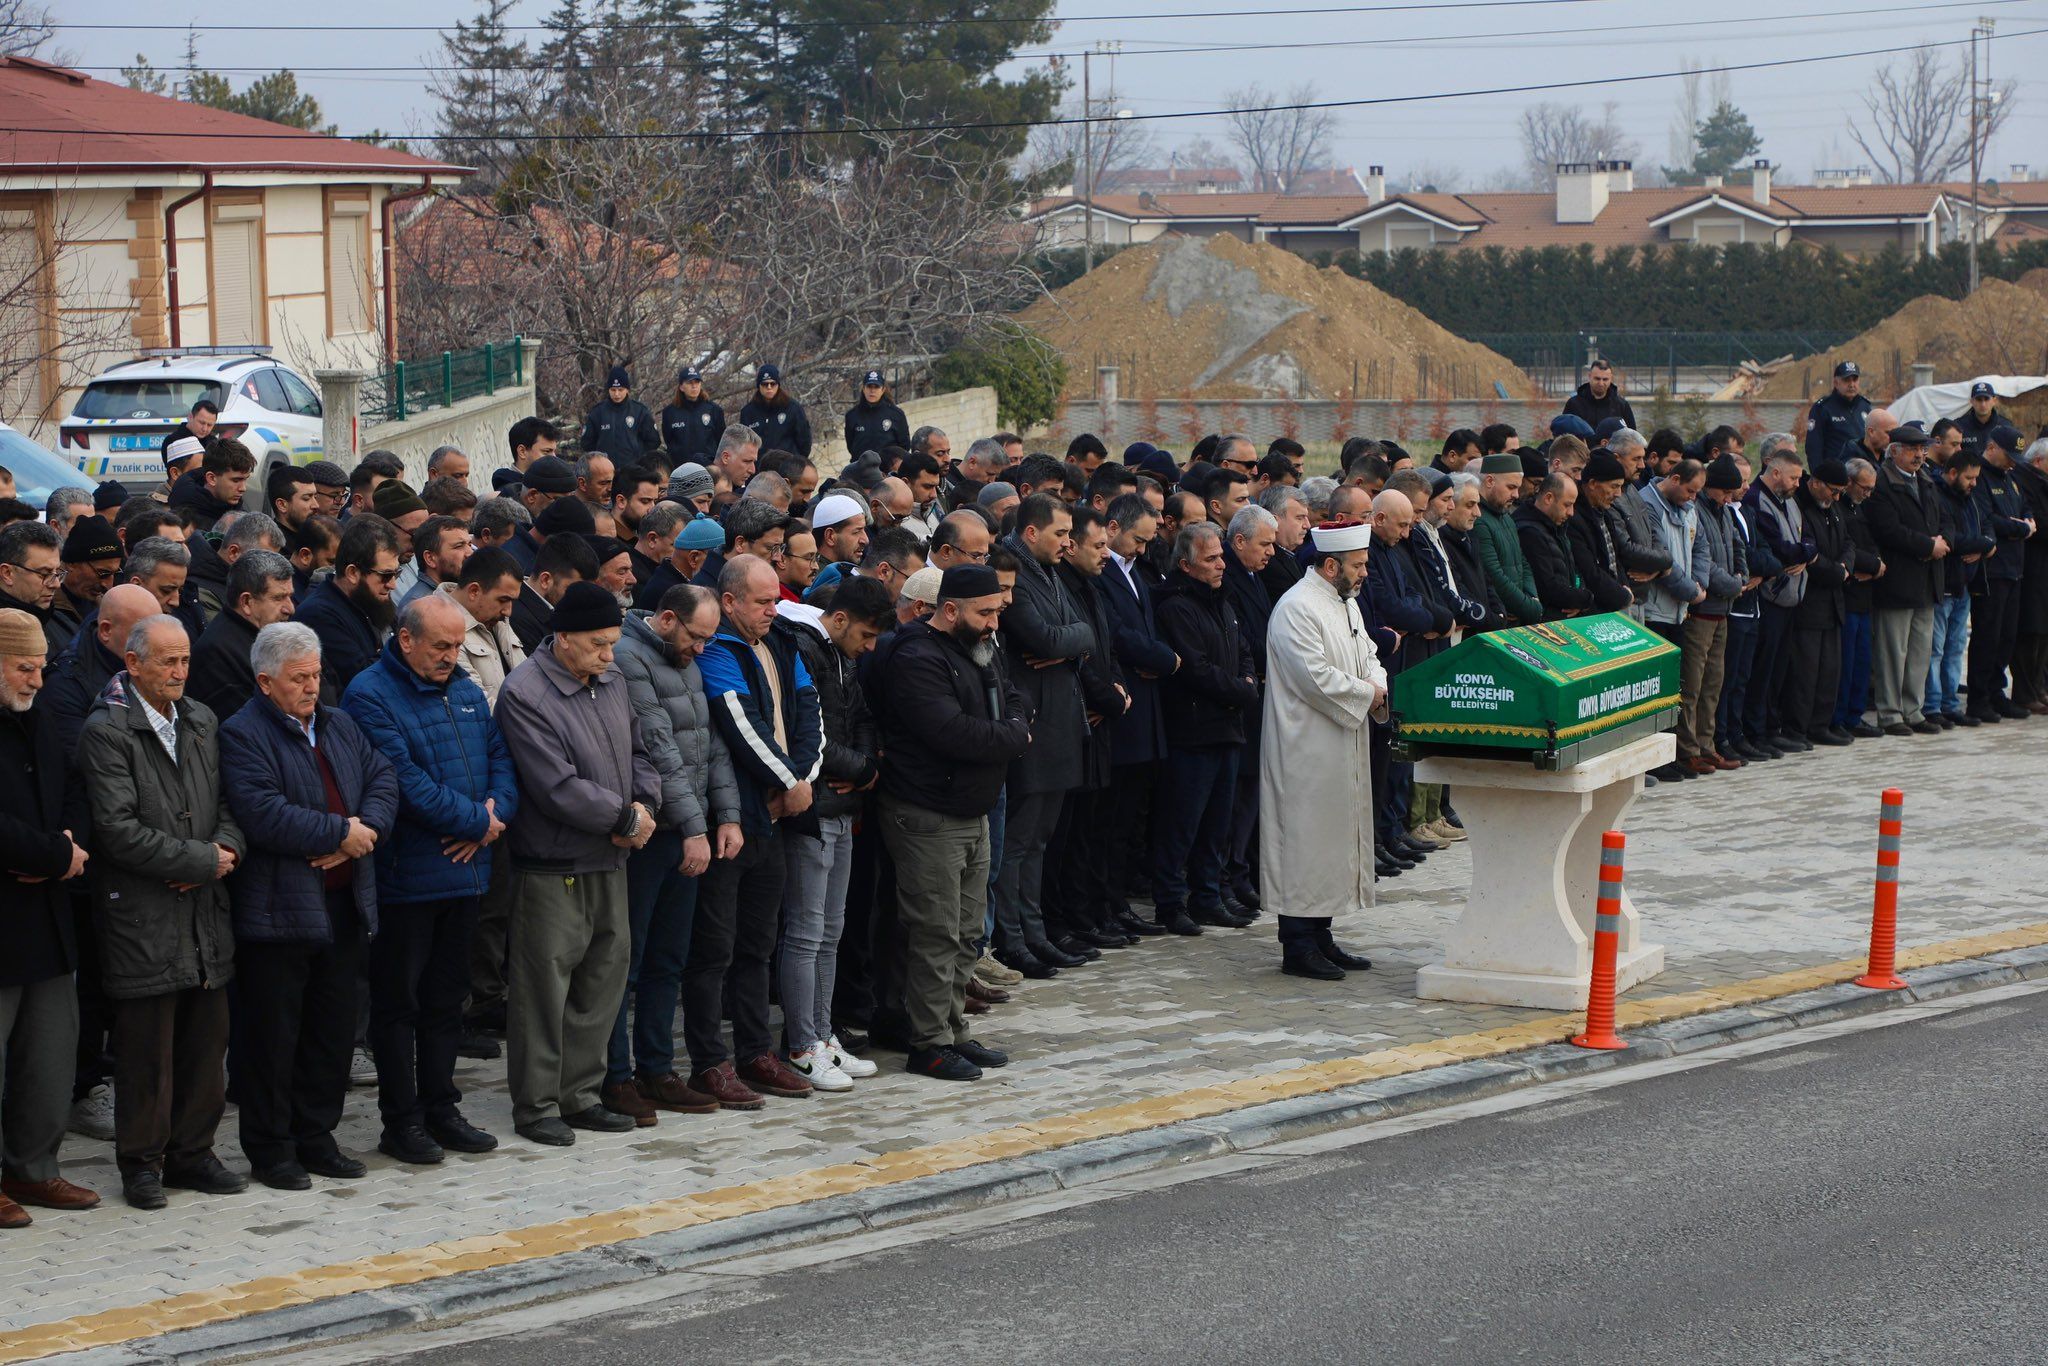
[1649, 356]
[407, 388]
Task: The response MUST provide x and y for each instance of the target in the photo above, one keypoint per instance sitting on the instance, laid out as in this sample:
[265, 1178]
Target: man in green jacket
[1499, 544]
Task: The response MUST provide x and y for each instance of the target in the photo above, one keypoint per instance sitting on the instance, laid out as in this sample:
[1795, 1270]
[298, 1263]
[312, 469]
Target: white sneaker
[847, 1063]
[815, 1066]
[362, 1070]
[92, 1114]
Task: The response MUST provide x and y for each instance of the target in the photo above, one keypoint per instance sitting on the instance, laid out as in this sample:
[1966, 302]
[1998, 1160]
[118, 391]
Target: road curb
[1088, 1162]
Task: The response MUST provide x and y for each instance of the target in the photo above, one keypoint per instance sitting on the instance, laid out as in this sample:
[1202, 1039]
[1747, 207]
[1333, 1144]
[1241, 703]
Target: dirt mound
[1220, 318]
[2002, 329]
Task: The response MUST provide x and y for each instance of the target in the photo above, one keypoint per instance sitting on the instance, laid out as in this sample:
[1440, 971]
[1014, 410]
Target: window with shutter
[21, 323]
[237, 282]
[348, 276]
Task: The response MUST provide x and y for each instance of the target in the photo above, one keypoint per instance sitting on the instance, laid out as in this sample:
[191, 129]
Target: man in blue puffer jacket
[313, 798]
[456, 792]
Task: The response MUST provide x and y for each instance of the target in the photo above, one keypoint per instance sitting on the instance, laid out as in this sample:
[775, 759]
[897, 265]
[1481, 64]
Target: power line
[1380, 101]
[949, 20]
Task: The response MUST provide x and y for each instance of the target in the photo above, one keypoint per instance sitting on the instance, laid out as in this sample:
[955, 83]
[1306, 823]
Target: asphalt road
[1875, 1196]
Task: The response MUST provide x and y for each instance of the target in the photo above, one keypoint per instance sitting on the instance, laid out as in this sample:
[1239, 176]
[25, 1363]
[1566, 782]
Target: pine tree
[485, 96]
[1724, 140]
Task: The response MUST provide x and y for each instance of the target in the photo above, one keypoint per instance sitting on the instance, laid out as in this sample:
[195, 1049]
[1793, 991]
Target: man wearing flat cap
[1904, 514]
[1834, 425]
[587, 794]
[1324, 683]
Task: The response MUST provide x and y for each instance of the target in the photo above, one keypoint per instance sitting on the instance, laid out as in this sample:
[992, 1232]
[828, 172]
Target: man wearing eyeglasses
[352, 612]
[30, 568]
[92, 562]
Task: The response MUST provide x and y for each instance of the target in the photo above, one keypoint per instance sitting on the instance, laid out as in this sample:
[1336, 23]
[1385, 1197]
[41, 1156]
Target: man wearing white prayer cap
[1324, 683]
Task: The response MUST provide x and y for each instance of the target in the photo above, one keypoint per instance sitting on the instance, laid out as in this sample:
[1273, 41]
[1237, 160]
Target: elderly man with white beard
[1324, 682]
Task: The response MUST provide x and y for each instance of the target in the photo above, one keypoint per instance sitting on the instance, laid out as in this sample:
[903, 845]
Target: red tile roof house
[129, 220]
[1594, 204]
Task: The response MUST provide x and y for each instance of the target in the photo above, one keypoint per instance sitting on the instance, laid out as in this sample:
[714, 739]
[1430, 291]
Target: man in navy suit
[1138, 737]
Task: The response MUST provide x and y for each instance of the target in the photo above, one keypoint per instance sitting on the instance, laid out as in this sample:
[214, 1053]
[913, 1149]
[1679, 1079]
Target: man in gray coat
[1045, 636]
[699, 814]
[587, 795]
[163, 843]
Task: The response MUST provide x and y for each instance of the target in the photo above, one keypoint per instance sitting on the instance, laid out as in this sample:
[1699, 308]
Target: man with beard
[352, 611]
[950, 725]
[614, 568]
[1324, 683]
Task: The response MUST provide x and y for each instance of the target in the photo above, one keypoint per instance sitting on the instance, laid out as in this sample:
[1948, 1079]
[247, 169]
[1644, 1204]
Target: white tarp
[1931, 402]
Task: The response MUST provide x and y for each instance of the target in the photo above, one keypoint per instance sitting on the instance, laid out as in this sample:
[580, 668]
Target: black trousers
[1301, 933]
[1241, 869]
[1763, 711]
[1191, 827]
[1994, 632]
[2030, 668]
[1813, 670]
[169, 1086]
[95, 1061]
[853, 988]
[1076, 894]
[419, 973]
[1130, 797]
[295, 1034]
[732, 943]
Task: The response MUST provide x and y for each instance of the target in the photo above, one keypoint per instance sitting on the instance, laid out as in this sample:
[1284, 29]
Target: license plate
[134, 443]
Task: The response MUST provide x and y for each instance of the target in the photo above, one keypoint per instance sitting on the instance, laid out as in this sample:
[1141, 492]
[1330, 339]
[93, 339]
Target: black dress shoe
[1792, 742]
[1385, 867]
[1247, 897]
[1414, 849]
[458, 1135]
[1754, 753]
[944, 1063]
[208, 1176]
[333, 1163]
[1925, 727]
[1311, 963]
[1017, 960]
[1350, 962]
[1245, 913]
[1842, 733]
[1828, 738]
[1863, 730]
[1073, 948]
[599, 1120]
[1986, 718]
[1215, 918]
[1668, 773]
[981, 1056]
[284, 1176]
[1133, 924]
[1101, 937]
[2010, 710]
[411, 1144]
[1053, 955]
[1962, 719]
[1898, 728]
[143, 1190]
[549, 1132]
[1175, 921]
[1940, 719]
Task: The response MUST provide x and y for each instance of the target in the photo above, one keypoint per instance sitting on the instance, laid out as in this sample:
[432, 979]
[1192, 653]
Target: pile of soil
[1213, 317]
[2002, 329]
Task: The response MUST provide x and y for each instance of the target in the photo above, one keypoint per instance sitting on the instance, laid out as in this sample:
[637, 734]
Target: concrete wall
[475, 426]
[1420, 427]
[963, 415]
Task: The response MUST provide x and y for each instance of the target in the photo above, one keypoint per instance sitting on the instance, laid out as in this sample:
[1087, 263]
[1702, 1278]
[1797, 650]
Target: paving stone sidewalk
[1740, 876]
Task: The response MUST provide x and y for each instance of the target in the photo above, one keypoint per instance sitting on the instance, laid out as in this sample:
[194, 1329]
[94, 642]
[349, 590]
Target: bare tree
[1279, 144]
[692, 248]
[1117, 145]
[24, 27]
[1202, 154]
[1427, 177]
[60, 313]
[1916, 125]
[1553, 133]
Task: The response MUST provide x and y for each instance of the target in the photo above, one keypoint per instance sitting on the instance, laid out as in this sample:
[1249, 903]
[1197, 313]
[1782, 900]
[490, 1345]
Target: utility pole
[1980, 118]
[1088, 171]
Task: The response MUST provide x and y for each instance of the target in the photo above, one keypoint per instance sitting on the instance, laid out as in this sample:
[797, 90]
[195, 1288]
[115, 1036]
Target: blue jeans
[1852, 699]
[660, 905]
[1945, 665]
[995, 862]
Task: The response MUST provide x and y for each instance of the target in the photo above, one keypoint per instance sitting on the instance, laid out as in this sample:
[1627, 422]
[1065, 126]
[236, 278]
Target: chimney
[1581, 191]
[1375, 184]
[1760, 182]
[1712, 182]
[1621, 177]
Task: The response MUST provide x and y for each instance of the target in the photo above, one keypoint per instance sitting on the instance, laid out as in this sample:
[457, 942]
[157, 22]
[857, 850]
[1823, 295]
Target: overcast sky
[1802, 112]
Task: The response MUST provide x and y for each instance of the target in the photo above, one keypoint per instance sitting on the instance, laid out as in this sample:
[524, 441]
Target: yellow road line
[111, 1327]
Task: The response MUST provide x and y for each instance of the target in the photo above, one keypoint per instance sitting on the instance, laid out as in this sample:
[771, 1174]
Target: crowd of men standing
[339, 790]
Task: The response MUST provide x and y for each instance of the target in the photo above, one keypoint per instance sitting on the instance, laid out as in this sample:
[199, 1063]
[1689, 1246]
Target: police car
[118, 427]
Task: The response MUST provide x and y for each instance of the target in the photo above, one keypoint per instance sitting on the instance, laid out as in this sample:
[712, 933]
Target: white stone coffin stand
[1526, 937]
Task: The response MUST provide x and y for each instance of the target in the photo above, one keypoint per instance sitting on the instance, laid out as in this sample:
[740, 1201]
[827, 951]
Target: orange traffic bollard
[1884, 915]
[1606, 944]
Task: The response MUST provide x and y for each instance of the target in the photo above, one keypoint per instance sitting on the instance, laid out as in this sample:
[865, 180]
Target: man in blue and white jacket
[766, 708]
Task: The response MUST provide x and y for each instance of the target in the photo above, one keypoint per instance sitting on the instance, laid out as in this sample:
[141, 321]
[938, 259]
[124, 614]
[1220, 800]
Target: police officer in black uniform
[620, 426]
[1983, 416]
[875, 421]
[691, 426]
[780, 419]
[1834, 425]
